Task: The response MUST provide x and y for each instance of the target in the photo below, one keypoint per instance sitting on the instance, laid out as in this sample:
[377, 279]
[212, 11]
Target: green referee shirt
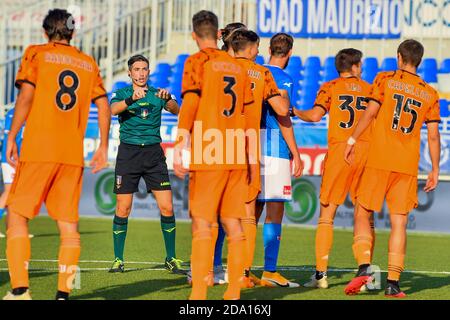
[140, 124]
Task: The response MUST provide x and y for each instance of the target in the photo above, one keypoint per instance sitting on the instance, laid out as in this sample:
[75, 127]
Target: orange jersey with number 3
[66, 81]
[345, 99]
[406, 103]
[224, 90]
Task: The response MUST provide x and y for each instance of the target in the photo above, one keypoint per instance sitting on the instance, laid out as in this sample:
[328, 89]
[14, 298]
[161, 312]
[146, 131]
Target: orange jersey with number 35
[345, 99]
[66, 81]
[406, 103]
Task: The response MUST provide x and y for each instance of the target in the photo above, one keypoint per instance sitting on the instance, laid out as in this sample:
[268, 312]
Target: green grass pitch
[427, 264]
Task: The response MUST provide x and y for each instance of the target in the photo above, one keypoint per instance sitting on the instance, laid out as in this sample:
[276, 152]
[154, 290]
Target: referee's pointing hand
[139, 93]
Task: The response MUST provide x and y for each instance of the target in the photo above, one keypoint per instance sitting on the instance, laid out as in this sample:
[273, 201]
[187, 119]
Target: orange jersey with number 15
[66, 81]
[406, 103]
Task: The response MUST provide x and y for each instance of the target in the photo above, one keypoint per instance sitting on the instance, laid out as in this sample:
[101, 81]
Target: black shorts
[135, 162]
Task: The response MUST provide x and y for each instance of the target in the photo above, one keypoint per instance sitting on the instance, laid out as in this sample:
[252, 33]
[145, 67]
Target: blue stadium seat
[370, 69]
[389, 64]
[428, 64]
[330, 74]
[311, 76]
[295, 61]
[370, 63]
[312, 63]
[429, 76]
[444, 104]
[164, 69]
[119, 85]
[294, 71]
[181, 59]
[260, 60]
[445, 66]
[330, 63]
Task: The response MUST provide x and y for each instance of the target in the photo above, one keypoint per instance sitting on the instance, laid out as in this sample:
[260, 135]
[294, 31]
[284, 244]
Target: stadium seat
[445, 66]
[295, 61]
[294, 71]
[310, 77]
[119, 85]
[181, 59]
[428, 65]
[312, 63]
[389, 64]
[260, 60]
[330, 63]
[330, 74]
[428, 76]
[164, 69]
[370, 69]
[444, 106]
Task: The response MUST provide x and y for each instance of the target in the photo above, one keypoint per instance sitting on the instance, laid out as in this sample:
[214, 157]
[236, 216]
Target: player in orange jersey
[245, 45]
[216, 91]
[57, 83]
[345, 99]
[401, 102]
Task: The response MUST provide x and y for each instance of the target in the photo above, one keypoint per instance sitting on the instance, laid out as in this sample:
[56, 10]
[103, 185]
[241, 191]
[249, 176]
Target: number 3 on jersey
[231, 82]
[66, 97]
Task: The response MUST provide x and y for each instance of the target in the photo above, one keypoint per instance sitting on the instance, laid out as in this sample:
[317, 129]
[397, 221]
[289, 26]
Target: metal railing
[228, 11]
[109, 30]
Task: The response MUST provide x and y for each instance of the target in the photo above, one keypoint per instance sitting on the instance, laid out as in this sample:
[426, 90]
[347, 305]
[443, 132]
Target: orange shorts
[58, 185]
[213, 193]
[254, 188]
[399, 189]
[340, 178]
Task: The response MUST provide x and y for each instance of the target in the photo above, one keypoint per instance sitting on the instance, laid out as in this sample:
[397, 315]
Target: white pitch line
[259, 268]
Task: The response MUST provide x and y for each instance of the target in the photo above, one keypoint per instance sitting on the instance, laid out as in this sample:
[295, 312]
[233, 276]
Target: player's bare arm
[312, 115]
[280, 104]
[22, 109]
[100, 158]
[368, 116]
[434, 143]
[185, 124]
[287, 131]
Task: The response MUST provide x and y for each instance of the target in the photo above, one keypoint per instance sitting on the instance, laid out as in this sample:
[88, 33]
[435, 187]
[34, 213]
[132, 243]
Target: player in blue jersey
[8, 171]
[278, 147]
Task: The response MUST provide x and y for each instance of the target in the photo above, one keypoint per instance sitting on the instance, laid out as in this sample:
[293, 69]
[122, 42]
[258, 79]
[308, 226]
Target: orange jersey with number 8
[66, 81]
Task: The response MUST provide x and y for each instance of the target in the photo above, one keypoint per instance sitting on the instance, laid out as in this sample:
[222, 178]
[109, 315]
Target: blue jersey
[8, 122]
[273, 143]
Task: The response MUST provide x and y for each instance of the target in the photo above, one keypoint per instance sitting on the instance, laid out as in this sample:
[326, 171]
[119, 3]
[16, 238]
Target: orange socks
[18, 252]
[249, 226]
[362, 246]
[69, 254]
[324, 242]
[396, 264]
[372, 228]
[202, 251]
[236, 250]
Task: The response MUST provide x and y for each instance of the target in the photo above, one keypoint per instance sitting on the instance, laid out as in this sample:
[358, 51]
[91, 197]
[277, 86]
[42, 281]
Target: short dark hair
[205, 24]
[281, 44]
[135, 59]
[411, 51]
[242, 38]
[347, 58]
[59, 25]
[227, 33]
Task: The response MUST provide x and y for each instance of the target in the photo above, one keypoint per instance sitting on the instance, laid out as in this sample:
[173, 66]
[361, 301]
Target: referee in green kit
[140, 155]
